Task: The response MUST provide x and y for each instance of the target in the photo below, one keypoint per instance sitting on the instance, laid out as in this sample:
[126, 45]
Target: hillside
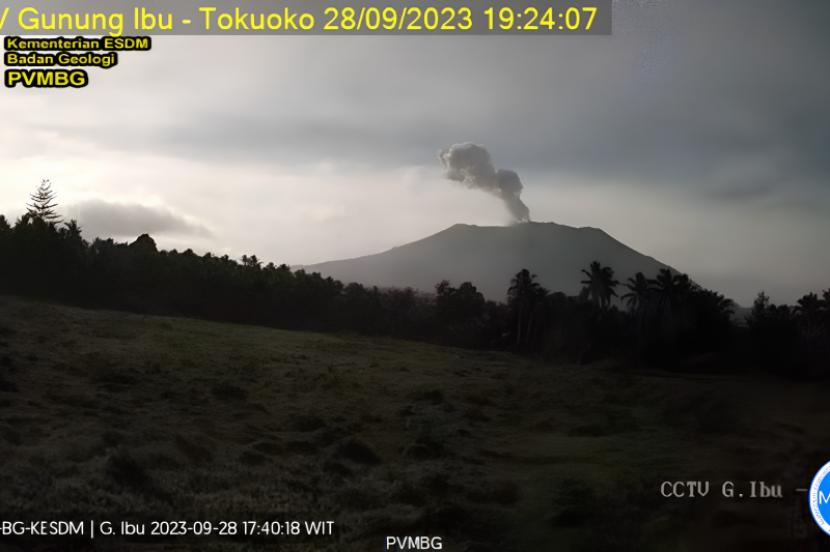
[106, 415]
[489, 256]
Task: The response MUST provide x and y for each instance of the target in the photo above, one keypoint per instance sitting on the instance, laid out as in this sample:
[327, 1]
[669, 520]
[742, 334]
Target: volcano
[489, 256]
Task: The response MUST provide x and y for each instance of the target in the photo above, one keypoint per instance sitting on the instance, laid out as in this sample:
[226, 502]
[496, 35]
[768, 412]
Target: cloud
[128, 220]
[673, 96]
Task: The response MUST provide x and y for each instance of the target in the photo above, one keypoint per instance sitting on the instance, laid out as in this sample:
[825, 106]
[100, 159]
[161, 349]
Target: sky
[698, 133]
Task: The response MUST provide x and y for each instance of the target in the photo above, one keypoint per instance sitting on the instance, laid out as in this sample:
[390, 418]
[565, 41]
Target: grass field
[106, 415]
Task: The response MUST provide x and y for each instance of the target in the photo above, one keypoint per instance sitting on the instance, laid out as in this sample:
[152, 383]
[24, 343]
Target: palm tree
[599, 284]
[523, 294]
[638, 300]
[251, 262]
[671, 288]
[639, 290]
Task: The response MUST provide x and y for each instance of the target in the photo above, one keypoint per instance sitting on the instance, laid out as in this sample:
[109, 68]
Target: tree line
[665, 320]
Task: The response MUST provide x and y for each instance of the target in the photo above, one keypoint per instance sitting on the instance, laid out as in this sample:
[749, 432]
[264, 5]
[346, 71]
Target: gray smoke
[471, 165]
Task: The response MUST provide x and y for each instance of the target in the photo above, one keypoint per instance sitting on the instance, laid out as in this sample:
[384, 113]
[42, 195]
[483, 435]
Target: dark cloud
[128, 220]
[681, 92]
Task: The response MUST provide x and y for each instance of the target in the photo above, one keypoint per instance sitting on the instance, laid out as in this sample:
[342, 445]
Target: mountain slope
[489, 256]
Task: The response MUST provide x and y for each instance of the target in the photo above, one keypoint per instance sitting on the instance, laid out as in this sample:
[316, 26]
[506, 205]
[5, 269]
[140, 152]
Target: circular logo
[820, 498]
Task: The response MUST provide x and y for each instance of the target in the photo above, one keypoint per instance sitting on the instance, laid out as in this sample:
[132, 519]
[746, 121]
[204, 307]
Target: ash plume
[471, 165]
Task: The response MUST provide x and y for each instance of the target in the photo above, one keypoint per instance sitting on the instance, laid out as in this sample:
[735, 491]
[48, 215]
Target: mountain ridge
[488, 256]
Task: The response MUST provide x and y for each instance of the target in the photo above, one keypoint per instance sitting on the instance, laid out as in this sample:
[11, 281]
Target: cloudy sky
[699, 133]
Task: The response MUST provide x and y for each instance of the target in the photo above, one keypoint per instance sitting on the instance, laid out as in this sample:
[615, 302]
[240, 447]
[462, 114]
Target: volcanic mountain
[489, 256]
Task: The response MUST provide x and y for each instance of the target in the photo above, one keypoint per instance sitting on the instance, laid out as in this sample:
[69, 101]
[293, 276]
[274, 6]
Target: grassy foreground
[111, 416]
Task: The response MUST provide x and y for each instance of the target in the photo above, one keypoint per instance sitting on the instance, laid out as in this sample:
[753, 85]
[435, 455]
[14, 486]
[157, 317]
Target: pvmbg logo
[820, 498]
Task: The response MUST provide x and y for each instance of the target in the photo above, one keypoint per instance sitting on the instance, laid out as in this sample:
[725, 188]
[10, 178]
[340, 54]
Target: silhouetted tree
[460, 311]
[813, 318]
[639, 292]
[670, 288]
[251, 262]
[144, 245]
[809, 310]
[42, 205]
[599, 284]
[707, 321]
[523, 295]
[773, 333]
[460, 304]
[639, 299]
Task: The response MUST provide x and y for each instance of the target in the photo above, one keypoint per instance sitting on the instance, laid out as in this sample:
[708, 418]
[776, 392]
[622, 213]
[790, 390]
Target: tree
[639, 290]
[638, 299]
[671, 288]
[522, 296]
[599, 284]
[251, 262]
[774, 337]
[42, 206]
[809, 306]
[144, 244]
[759, 306]
[809, 311]
[708, 321]
[458, 305]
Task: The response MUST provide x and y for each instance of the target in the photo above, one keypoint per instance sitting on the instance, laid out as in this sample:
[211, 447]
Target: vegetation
[667, 320]
[791, 341]
[109, 415]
